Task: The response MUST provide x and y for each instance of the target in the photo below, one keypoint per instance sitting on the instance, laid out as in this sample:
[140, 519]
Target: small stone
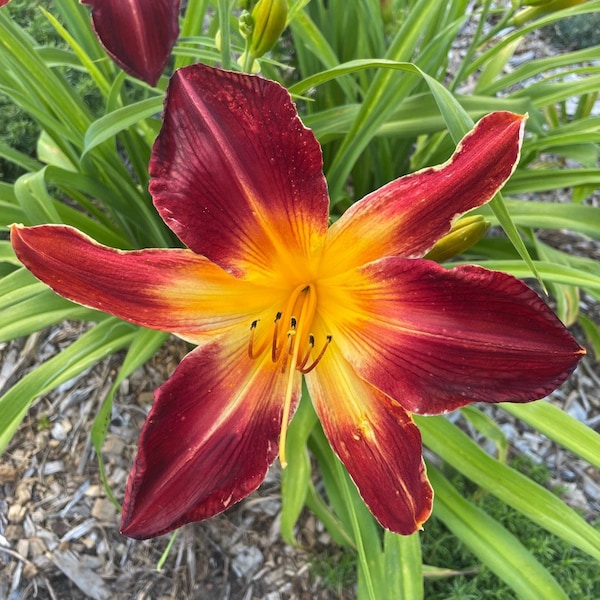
[8, 473]
[23, 491]
[23, 548]
[13, 532]
[30, 570]
[576, 411]
[36, 547]
[144, 398]
[247, 561]
[104, 510]
[60, 430]
[113, 445]
[54, 466]
[16, 513]
[94, 491]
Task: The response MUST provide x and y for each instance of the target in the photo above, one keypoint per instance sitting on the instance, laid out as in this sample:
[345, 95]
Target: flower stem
[223, 7]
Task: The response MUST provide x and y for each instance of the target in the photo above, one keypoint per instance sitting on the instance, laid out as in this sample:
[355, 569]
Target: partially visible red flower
[270, 295]
[138, 34]
[3, 2]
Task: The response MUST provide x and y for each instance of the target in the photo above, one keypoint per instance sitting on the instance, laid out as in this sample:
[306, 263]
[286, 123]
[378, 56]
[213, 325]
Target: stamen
[274, 349]
[311, 345]
[251, 340]
[315, 362]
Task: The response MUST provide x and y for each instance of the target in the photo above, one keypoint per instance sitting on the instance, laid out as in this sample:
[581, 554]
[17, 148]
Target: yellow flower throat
[291, 346]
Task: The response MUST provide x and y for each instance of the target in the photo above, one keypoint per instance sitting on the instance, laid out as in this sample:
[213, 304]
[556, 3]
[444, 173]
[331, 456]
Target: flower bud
[464, 233]
[246, 24]
[269, 18]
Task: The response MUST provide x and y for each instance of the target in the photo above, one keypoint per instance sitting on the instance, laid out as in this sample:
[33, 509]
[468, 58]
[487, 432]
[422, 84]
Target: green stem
[248, 60]
[165, 554]
[223, 10]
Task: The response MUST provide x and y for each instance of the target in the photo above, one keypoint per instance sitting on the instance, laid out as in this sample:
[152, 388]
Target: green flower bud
[246, 24]
[464, 233]
[270, 18]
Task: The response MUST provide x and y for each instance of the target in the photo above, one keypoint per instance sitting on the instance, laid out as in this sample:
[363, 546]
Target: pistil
[306, 297]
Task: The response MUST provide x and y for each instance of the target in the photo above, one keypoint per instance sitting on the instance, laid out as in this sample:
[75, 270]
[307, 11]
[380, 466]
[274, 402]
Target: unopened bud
[464, 233]
[269, 19]
[246, 24]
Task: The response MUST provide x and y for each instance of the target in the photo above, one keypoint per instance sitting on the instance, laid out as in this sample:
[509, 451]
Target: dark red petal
[3, 2]
[436, 339]
[208, 440]
[408, 215]
[376, 440]
[235, 173]
[171, 290]
[138, 34]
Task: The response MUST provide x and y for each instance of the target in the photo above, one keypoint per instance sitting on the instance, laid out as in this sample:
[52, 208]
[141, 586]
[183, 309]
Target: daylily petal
[236, 175]
[436, 339]
[3, 2]
[408, 215]
[171, 290]
[138, 34]
[376, 440]
[208, 440]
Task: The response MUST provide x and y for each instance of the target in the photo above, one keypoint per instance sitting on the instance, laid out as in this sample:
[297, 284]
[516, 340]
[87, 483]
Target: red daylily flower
[3, 2]
[137, 34]
[269, 294]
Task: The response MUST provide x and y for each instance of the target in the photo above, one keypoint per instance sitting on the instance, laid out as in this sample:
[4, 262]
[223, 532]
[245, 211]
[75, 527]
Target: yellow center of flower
[291, 346]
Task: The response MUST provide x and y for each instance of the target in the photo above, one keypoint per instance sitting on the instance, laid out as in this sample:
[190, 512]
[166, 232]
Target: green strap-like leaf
[487, 427]
[35, 311]
[32, 194]
[116, 121]
[510, 486]
[559, 426]
[549, 271]
[539, 180]
[104, 339]
[495, 546]
[592, 332]
[295, 478]
[403, 566]
[551, 215]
